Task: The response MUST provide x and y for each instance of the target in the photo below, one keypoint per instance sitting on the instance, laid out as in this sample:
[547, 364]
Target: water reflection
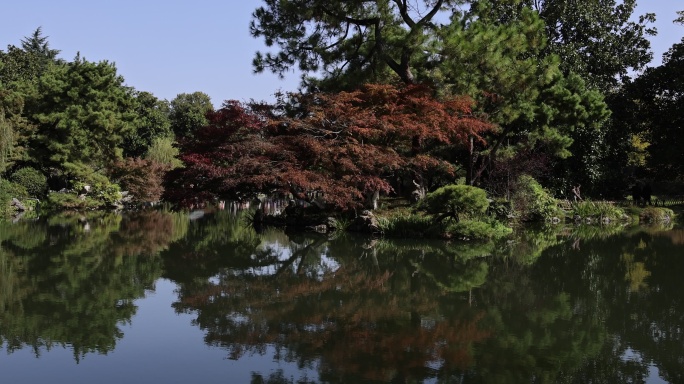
[71, 280]
[360, 311]
[559, 304]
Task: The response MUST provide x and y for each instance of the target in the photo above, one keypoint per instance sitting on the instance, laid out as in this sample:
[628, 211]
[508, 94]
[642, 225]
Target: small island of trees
[460, 114]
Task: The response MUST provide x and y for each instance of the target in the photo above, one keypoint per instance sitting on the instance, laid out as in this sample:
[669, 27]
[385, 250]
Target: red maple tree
[341, 146]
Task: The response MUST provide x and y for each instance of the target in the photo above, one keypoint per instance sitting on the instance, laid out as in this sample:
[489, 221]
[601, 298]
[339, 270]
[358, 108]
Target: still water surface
[156, 298]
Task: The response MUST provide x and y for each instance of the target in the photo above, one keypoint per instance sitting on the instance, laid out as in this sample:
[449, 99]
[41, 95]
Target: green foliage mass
[645, 136]
[96, 193]
[531, 202]
[455, 202]
[19, 67]
[461, 211]
[14, 128]
[58, 201]
[601, 41]
[499, 64]
[656, 98]
[82, 111]
[12, 189]
[651, 215]
[505, 65]
[152, 122]
[409, 226]
[8, 191]
[189, 112]
[31, 179]
[38, 45]
[598, 209]
[73, 122]
[163, 151]
[7, 141]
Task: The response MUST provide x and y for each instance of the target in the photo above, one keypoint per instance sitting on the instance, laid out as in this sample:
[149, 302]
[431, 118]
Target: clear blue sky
[182, 46]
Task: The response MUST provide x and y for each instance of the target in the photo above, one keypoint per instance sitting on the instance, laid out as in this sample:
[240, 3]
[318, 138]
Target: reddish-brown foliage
[142, 178]
[367, 318]
[343, 146]
[144, 233]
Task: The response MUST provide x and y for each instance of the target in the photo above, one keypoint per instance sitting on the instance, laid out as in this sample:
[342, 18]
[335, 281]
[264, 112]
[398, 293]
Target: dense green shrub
[31, 179]
[460, 212]
[455, 202]
[13, 189]
[101, 194]
[531, 202]
[9, 190]
[104, 192]
[500, 209]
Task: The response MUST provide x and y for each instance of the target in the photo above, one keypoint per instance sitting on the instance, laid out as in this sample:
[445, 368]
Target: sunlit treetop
[353, 41]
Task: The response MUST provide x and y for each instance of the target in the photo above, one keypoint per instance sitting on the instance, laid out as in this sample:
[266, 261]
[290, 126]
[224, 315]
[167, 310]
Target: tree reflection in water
[71, 281]
[356, 310]
[558, 304]
[532, 309]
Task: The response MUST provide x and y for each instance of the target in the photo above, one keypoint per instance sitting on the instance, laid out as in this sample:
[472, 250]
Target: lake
[154, 297]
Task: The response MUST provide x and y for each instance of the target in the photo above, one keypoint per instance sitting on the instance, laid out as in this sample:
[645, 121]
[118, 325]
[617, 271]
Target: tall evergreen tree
[348, 42]
[596, 39]
[503, 65]
[599, 42]
[82, 112]
[39, 45]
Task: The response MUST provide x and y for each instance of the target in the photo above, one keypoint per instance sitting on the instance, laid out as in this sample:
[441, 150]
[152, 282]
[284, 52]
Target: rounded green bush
[532, 202]
[456, 202]
[31, 179]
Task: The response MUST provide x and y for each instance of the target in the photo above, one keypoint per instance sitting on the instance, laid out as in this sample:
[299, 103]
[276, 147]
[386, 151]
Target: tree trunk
[372, 200]
[471, 160]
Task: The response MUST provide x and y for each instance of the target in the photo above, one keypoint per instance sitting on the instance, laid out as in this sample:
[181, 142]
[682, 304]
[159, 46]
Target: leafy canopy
[656, 100]
[353, 42]
[82, 112]
[152, 121]
[342, 146]
[188, 113]
[599, 40]
[504, 64]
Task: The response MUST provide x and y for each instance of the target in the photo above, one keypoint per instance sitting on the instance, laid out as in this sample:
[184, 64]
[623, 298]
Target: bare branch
[403, 11]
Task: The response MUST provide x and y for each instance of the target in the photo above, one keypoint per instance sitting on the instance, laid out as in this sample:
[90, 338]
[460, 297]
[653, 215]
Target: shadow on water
[553, 304]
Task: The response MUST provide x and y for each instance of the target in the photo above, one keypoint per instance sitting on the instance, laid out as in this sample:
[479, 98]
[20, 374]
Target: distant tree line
[75, 126]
